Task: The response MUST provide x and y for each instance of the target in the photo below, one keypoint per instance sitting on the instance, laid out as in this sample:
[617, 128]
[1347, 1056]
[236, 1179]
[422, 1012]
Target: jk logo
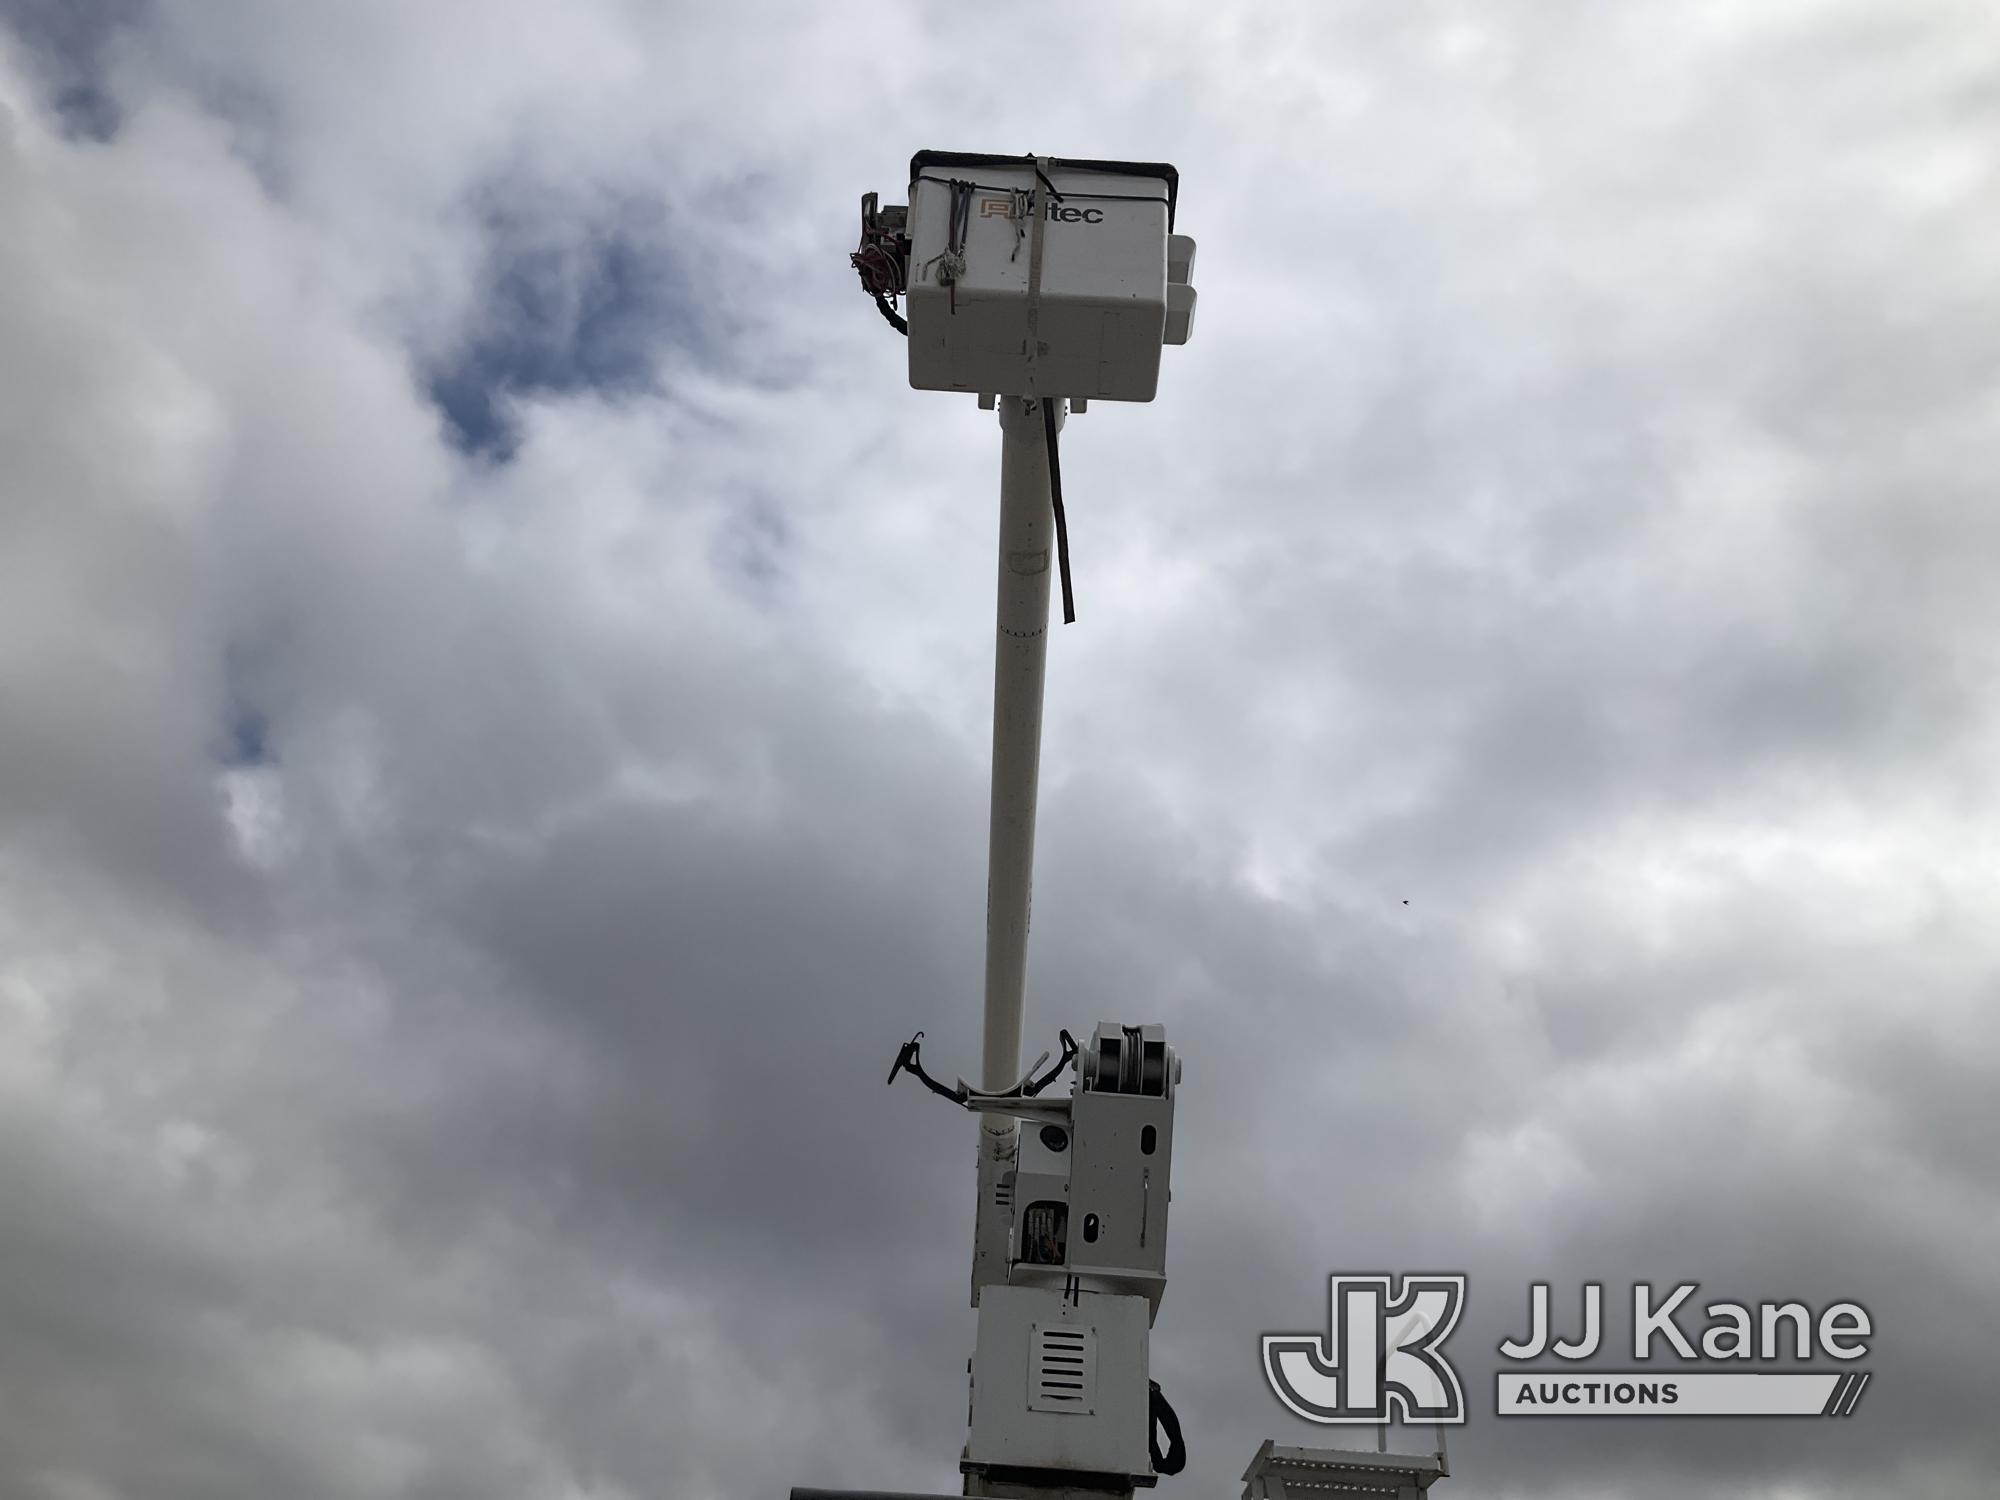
[1383, 1353]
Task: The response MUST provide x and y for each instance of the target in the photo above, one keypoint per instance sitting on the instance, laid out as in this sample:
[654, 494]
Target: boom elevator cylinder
[1027, 557]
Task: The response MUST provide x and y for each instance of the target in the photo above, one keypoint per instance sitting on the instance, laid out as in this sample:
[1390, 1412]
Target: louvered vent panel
[1062, 1368]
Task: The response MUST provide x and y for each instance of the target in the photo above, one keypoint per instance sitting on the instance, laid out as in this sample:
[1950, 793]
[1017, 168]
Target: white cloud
[1568, 520]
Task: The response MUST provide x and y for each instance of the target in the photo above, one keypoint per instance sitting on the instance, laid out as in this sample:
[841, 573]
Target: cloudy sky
[494, 670]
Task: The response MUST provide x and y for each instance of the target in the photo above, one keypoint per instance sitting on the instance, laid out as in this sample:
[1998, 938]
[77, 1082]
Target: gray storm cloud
[459, 896]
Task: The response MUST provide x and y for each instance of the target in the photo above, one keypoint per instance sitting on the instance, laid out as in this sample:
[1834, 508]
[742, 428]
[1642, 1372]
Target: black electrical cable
[895, 320]
[1162, 1415]
[1055, 498]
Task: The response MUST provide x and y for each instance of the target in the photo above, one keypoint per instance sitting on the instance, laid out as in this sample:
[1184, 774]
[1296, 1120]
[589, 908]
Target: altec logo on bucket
[1002, 208]
[1385, 1357]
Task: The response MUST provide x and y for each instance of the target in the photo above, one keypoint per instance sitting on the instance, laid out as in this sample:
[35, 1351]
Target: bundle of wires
[951, 260]
[882, 278]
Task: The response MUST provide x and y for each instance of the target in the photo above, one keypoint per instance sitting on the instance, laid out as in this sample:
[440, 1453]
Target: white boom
[1027, 558]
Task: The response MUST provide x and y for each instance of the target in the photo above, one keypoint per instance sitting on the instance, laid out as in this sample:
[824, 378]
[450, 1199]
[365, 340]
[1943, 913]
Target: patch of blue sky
[250, 679]
[67, 43]
[566, 305]
[247, 739]
[752, 545]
